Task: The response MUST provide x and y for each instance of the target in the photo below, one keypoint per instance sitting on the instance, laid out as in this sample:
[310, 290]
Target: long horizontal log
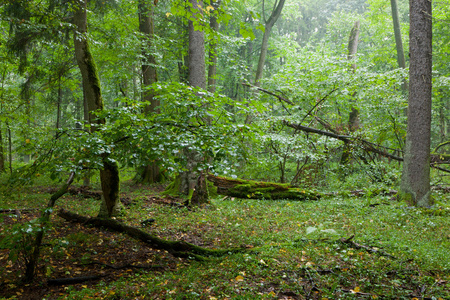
[249, 189]
[177, 248]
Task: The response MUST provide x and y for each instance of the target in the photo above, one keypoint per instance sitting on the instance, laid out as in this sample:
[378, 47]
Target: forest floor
[337, 248]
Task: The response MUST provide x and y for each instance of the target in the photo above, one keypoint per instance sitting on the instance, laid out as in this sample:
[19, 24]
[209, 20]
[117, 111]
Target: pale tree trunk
[109, 174]
[212, 67]
[151, 172]
[278, 7]
[353, 118]
[196, 78]
[415, 183]
[196, 60]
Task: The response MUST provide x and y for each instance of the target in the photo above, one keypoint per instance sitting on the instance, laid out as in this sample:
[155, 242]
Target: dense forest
[167, 115]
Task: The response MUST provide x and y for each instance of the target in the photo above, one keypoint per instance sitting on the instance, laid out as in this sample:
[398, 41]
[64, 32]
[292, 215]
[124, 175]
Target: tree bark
[196, 78]
[415, 183]
[109, 174]
[353, 118]
[212, 67]
[2, 154]
[398, 35]
[151, 172]
[278, 7]
[197, 66]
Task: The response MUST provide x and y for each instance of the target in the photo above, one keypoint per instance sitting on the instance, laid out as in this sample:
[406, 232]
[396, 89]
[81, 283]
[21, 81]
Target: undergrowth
[294, 249]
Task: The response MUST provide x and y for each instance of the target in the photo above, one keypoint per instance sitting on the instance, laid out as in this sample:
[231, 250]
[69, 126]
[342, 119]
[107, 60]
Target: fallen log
[176, 248]
[260, 190]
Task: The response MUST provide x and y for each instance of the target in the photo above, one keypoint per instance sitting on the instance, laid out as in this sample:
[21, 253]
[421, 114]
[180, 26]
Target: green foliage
[19, 240]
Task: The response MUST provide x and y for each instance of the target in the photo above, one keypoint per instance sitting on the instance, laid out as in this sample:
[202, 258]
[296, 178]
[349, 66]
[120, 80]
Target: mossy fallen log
[176, 248]
[250, 189]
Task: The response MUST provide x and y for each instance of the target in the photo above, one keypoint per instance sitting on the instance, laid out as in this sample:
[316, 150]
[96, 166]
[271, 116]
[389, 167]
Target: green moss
[173, 188]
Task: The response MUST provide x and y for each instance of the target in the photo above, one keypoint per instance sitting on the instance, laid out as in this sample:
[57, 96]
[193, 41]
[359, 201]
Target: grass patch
[294, 249]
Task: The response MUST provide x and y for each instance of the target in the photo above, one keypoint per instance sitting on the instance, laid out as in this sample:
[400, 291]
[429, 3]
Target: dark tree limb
[176, 248]
[284, 99]
[371, 147]
[33, 260]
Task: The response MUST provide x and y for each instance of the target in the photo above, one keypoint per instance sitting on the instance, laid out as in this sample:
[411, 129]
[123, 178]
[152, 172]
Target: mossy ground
[294, 250]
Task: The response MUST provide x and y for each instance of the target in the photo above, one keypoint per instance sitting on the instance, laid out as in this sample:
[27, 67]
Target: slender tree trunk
[8, 128]
[109, 174]
[353, 118]
[87, 173]
[58, 105]
[26, 97]
[398, 41]
[278, 7]
[212, 67]
[149, 173]
[415, 183]
[2, 154]
[32, 263]
[398, 36]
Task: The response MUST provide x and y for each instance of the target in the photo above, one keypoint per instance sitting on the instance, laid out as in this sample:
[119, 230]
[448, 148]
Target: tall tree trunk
[8, 128]
[398, 41]
[58, 104]
[212, 67]
[196, 78]
[196, 63]
[151, 172]
[2, 154]
[398, 35]
[353, 118]
[278, 7]
[415, 183]
[87, 173]
[26, 97]
[109, 174]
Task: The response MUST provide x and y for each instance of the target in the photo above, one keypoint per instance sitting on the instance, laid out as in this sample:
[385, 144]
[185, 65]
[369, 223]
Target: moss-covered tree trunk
[109, 174]
[415, 183]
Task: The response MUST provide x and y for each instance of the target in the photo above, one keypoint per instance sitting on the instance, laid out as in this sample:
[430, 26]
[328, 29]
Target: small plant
[20, 242]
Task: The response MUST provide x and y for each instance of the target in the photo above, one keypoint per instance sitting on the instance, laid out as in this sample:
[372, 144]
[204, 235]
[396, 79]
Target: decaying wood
[259, 190]
[176, 248]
